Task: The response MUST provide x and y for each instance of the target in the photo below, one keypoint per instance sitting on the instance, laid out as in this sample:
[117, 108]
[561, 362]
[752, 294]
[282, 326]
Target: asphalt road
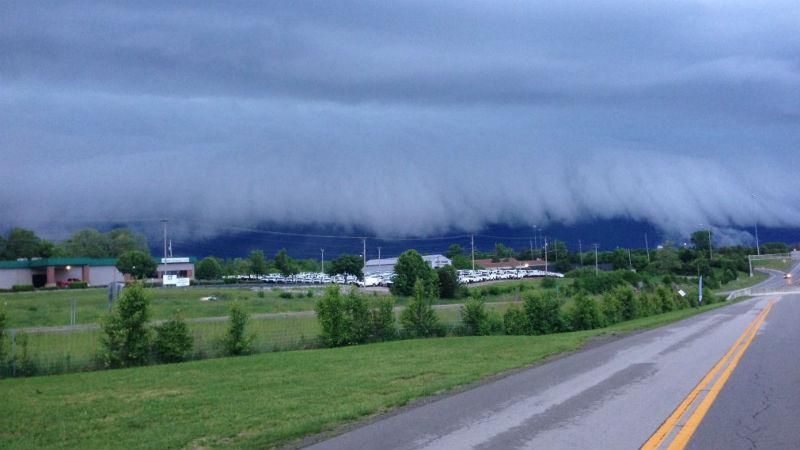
[616, 395]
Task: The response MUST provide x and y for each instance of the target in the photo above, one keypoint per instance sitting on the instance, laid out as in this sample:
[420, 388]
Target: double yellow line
[693, 416]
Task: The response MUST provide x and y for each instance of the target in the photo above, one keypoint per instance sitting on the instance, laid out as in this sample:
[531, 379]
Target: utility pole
[710, 245]
[322, 265]
[164, 221]
[531, 243]
[545, 256]
[596, 271]
[364, 241]
[630, 263]
[379, 257]
[647, 247]
[758, 248]
[580, 251]
[472, 240]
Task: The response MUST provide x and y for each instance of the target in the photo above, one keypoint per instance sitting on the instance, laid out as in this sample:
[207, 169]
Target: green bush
[21, 362]
[612, 308]
[418, 318]
[310, 293]
[229, 280]
[330, 315]
[21, 288]
[236, 342]
[3, 318]
[492, 325]
[543, 312]
[285, 295]
[515, 322]
[126, 337]
[448, 281]
[173, 342]
[586, 314]
[383, 320]
[78, 285]
[665, 299]
[348, 320]
[548, 282]
[474, 317]
[631, 307]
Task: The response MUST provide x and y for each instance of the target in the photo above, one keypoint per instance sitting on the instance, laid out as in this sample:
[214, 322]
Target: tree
[411, 268]
[138, 264]
[587, 314]
[173, 342]
[454, 250]
[121, 240]
[543, 312]
[126, 338]
[702, 240]
[236, 342]
[347, 264]
[775, 247]
[22, 243]
[448, 281]
[88, 243]
[258, 265]
[2, 336]
[285, 264]
[209, 268]
[418, 318]
[501, 251]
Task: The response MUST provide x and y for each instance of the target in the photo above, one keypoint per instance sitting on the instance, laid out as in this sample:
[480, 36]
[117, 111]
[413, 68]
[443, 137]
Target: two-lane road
[617, 395]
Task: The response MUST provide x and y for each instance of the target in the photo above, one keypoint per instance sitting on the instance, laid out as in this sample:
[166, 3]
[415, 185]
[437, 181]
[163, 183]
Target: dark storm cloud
[400, 117]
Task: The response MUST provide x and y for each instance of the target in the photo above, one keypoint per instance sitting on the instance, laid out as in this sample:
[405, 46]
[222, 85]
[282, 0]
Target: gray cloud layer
[401, 117]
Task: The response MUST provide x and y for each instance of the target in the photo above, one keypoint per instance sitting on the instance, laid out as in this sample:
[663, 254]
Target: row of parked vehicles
[385, 278]
[478, 276]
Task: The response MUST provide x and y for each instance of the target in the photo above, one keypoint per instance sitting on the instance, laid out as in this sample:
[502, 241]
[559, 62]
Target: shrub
[627, 297]
[612, 308]
[126, 338]
[665, 299]
[285, 294]
[23, 365]
[473, 317]
[492, 325]
[229, 280]
[310, 293]
[418, 318]
[330, 314]
[548, 282]
[357, 319]
[78, 285]
[260, 294]
[586, 315]
[21, 288]
[448, 281]
[383, 320]
[543, 312]
[3, 318]
[348, 320]
[173, 343]
[236, 342]
[515, 322]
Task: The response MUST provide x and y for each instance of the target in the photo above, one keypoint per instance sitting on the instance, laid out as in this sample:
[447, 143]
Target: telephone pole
[647, 247]
[545, 256]
[580, 251]
[164, 273]
[364, 242]
[322, 266]
[472, 241]
[596, 271]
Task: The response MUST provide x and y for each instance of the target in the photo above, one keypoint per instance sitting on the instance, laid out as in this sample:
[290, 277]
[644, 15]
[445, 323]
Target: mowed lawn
[262, 400]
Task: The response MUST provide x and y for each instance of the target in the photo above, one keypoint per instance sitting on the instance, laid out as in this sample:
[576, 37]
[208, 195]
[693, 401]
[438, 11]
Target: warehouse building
[387, 264]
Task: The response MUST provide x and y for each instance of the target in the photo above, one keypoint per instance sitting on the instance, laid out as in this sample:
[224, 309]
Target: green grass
[778, 264]
[744, 281]
[52, 308]
[262, 400]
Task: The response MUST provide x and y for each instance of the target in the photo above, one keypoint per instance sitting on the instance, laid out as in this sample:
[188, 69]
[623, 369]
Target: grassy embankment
[784, 265]
[262, 400]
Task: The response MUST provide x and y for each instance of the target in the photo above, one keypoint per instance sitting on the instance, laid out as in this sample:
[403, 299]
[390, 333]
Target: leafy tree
[88, 243]
[173, 342]
[543, 312]
[121, 240]
[667, 260]
[501, 251]
[411, 268]
[347, 264]
[775, 247]
[586, 315]
[612, 308]
[126, 338]
[285, 264]
[23, 243]
[702, 240]
[2, 247]
[515, 322]
[137, 264]
[383, 320]
[419, 318]
[630, 302]
[237, 266]
[258, 265]
[236, 342]
[454, 250]
[209, 268]
[448, 281]
[347, 320]
[474, 317]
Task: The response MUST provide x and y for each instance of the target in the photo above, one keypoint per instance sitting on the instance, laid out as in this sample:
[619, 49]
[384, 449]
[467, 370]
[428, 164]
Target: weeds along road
[725, 379]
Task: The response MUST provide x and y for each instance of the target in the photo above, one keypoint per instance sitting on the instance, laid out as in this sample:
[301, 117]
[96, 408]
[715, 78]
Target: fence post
[13, 353]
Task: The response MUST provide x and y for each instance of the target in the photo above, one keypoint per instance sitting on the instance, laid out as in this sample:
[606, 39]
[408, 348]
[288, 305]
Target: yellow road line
[689, 428]
[667, 427]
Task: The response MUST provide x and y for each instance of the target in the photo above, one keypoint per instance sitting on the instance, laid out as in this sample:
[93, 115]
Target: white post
[472, 240]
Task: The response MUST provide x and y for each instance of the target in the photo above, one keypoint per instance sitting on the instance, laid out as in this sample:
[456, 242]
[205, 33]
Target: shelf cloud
[400, 118]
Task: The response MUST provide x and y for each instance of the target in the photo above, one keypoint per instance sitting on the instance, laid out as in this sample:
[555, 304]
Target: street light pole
[758, 248]
[322, 266]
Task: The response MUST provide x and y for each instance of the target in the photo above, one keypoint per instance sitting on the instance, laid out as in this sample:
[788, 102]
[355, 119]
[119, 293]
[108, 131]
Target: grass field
[778, 264]
[744, 281]
[71, 351]
[262, 400]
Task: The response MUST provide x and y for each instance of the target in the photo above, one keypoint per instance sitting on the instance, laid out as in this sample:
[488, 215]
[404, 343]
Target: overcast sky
[400, 118]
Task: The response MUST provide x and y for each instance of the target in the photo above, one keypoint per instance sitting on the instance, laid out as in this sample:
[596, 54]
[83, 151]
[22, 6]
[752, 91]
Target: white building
[387, 264]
